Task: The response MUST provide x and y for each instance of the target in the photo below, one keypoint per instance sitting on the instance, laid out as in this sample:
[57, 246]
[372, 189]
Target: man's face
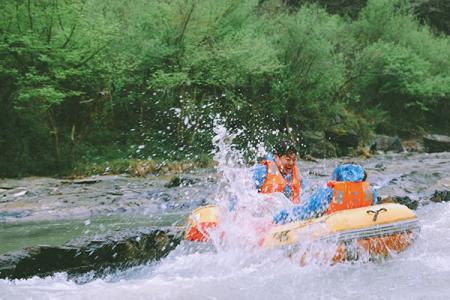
[285, 163]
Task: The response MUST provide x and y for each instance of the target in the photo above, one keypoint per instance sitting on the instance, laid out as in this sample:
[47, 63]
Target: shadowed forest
[86, 83]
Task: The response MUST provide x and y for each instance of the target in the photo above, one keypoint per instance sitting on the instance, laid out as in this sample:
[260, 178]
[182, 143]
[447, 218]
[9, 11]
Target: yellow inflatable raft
[375, 230]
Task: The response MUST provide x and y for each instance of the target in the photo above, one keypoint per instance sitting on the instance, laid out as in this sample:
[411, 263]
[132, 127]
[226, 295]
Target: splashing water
[238, 271]
[421, 272]
[245, 214]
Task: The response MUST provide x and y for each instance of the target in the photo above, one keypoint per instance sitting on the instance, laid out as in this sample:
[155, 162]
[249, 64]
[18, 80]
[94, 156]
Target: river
[421, 272]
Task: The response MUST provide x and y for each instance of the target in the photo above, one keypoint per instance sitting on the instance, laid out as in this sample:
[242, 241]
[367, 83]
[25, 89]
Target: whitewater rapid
[421, 272]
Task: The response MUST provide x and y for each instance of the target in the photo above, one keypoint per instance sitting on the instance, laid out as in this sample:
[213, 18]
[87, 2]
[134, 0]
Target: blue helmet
[349, 172]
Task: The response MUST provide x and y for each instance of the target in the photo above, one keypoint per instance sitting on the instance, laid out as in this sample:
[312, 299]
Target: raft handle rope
[376, 213]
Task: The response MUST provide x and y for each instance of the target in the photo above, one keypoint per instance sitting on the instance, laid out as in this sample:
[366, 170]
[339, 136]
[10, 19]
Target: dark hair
[284, 148]
[365, 176]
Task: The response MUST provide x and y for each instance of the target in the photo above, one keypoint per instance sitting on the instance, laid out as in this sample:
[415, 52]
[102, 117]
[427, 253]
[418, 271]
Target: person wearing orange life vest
[279, 172]
[348, 189]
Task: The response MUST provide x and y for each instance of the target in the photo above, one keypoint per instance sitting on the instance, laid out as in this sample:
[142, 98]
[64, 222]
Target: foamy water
[421, 272]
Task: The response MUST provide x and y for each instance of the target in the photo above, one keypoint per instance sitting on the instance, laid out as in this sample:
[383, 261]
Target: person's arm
[282, 217]
[259, 175]
[315, 206]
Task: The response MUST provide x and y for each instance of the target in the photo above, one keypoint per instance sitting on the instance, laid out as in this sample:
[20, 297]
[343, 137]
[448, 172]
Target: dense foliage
[96, 80]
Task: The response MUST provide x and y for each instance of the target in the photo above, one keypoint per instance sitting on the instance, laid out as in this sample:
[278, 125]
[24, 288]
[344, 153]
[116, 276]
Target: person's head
[349, 172]
[285, 155]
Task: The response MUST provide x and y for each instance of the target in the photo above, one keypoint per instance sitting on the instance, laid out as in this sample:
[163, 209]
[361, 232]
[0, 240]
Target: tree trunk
[55, 131]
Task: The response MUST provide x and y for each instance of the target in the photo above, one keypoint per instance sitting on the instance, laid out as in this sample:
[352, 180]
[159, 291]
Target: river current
[421, 272]
[240, 272]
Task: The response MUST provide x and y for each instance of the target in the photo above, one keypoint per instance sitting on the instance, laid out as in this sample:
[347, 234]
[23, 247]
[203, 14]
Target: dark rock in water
[180, 181]
[315, 173]
[82, 181]
[440, 196]
[187, 205]
[380, 166]
[386, 143]
[120, 209]
[411, 204]
[436, 143]
[159, 195]
[15, 214]
[122, 250]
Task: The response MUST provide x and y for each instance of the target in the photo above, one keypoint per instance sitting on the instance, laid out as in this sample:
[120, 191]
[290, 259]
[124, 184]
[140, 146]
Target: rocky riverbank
[38, 199]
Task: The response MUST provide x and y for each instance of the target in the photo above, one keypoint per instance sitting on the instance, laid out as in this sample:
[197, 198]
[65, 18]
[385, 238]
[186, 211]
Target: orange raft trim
[200, 221]
[375, 231]
[374, 247]
[199, 233]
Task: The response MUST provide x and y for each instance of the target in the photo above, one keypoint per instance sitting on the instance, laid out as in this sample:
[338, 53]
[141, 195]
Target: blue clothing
[260, 172]
[259, 175]
[318, 203]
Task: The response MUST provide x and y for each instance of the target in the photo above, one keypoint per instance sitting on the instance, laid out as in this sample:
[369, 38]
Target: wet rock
[411, 204]
[386, 143]
[380, 166]
[14, 214]
[440, 196]
[413, 145]
[159, 195]
[113, 252]
[186, 205]
[320, 174]
[4, 188]
[211, 179]
[116, 193]
[82, 181]
[393, 181]
[180, 181]
[120, 209]
[436, 143]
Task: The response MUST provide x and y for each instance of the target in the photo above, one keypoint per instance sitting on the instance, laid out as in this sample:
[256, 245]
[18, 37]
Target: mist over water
[237, 269]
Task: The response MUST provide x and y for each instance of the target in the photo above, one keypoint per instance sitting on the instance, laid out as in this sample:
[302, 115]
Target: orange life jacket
[275, 182]
[347, 195]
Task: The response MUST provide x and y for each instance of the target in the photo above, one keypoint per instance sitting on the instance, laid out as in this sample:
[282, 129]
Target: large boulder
[315, 144]
[119, 251]
[346, 141]
[413, 145]
[436, 143]
[386, 143]
[343, 137]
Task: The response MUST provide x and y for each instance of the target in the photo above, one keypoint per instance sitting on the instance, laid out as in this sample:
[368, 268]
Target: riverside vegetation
[88, 86]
